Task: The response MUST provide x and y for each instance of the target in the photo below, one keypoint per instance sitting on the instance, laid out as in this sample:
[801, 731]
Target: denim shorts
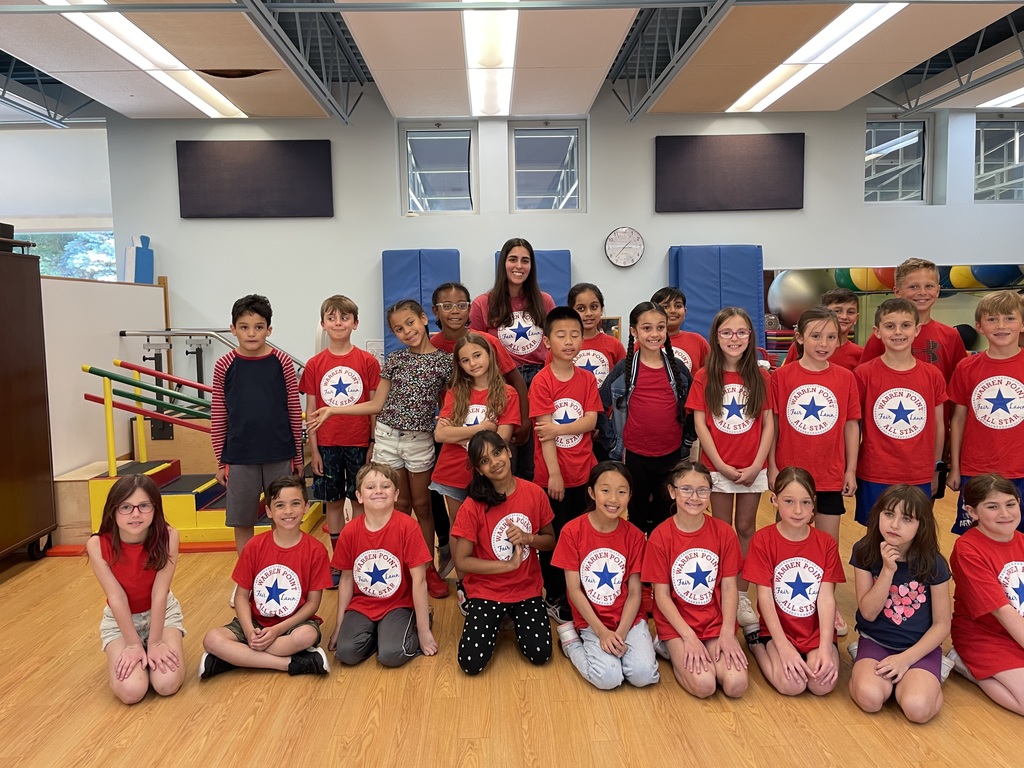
[109, 630]
[404, 449]
[341, 462]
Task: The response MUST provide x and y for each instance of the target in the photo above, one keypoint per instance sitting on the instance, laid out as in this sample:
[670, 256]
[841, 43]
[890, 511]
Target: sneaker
[436, 586]
[460, 597]
[661, 648]
[559, 611]
[567, 634]
[444, 561]
[958, 664]
[210, 666]
[647, 602]
[841, 628]
[745, 615]
[947, 667]
[852, 650]
[231, 600]
[752, 635]
[335, 578]
[506, 624]
[311, 662]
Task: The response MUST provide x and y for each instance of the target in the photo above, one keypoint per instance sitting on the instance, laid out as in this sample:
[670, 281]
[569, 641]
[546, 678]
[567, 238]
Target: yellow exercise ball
[961, 277]
[866, 279]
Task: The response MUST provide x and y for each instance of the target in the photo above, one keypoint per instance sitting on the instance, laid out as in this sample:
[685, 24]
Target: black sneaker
[559, 611]
[309, 662]
[335, 578]
[210, 666]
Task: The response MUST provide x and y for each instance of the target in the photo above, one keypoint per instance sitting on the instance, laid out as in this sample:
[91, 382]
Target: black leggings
[480, 632]
[650, 504]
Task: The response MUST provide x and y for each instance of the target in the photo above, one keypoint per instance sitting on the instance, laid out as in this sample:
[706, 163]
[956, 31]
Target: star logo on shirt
[733, 418]
[799, 586]
[602, 572]
[565, 418]
[699, 575]
[341, 388]
[566, 410]
[1000, 402]
[605, 577]
[521, 331]
[589, 367]
[693, 575]
[795, 585]
[1019, 589]
[734, 409]
[377, 574]
[901, 413]
[812, 409]
[274, 592]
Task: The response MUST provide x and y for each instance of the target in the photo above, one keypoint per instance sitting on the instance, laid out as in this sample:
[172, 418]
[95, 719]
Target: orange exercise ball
[886, 276]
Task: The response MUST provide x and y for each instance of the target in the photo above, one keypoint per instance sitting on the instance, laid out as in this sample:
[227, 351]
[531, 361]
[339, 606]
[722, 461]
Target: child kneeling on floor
[281, 575]
[382, 597]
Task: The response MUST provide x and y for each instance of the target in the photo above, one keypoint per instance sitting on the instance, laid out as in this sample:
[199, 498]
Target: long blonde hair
[461, 384]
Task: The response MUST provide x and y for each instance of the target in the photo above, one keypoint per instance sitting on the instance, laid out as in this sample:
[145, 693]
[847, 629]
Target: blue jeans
[638, 666]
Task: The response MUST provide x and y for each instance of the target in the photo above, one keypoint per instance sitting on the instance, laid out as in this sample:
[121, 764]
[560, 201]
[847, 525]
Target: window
[88, 255]
[999, 160]
[894, 161]
[438, 164]
[548, 161]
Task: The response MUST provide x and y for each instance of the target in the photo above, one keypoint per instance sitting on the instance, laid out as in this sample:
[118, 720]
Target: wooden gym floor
[56, 708]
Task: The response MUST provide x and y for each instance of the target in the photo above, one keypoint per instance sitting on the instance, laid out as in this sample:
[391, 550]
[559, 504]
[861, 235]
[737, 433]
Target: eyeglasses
[448, 306]
[145, 508]
[741, 334]
[702, 493]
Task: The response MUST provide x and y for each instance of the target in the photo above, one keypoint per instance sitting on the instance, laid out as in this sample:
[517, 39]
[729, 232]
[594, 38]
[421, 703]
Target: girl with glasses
[694, 561]
[133, 556]
[729, 400]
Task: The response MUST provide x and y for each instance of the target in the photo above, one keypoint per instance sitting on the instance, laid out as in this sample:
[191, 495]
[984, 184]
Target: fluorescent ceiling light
[490, 41]
[848, 28]
[137, 48]
[1011, 99]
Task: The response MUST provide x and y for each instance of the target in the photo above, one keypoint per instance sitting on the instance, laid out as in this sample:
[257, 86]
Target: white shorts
[404, 449]
[109, 631]
[719, 484]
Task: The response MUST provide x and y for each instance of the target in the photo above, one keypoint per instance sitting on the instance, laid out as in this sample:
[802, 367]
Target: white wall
[296, 263]
[55, 179]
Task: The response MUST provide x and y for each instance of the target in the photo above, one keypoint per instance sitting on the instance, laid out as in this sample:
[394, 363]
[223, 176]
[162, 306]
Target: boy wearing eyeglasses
[901, 400]
[342, 374]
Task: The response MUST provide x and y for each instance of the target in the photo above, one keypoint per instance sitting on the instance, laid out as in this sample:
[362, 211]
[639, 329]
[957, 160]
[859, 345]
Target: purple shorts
[869, 649]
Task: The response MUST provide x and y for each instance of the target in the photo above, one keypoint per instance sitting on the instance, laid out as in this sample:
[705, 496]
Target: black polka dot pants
[480, 632]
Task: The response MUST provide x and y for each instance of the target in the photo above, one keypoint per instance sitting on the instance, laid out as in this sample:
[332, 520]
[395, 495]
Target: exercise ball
[794, 290]
[960, 276]
[865, 279]
[996, 275]
[886, 276]
[968, 333]
[844, 280]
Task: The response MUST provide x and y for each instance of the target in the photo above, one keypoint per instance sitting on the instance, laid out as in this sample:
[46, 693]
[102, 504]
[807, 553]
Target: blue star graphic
[799, 586]
[700, 576]
[1000, 403]
[605, 577]
[474, 422]
[1019, 589]
[734, 409]
[812, 409]
[521, 331]
[589, 366]
[341, 387]
[565, 418]
[901, 413]
[274, 592]
[376, 574]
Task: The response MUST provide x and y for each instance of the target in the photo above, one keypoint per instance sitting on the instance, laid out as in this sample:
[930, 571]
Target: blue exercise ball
[996, 275]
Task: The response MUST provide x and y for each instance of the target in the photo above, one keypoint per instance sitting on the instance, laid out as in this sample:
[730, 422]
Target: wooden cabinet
[26, 473]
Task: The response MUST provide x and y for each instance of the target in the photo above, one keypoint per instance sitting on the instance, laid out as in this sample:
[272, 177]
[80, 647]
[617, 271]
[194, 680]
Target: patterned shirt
[416, 385]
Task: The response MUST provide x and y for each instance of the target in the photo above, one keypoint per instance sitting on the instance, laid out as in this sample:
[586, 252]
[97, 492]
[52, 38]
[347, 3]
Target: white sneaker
[567, 634]
[852, 650]
[841, 628]
[231, 600]
[661, 649]
[745, 615]
[947, 667]
[958, 664]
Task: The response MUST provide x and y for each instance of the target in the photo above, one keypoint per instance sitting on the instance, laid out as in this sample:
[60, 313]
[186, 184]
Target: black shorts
[830, 503]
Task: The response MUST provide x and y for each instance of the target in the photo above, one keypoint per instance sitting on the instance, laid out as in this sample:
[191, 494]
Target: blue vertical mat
[716, 276]
[554, 272]
[413, 274]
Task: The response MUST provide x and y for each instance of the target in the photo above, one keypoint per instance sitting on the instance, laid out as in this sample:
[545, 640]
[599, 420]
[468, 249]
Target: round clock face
[624, 247]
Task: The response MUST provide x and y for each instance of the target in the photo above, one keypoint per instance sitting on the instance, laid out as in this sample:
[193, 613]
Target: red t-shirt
[988, 574]
[380, 562]
[523, 339]
[279, 578]
[794, 570]
[993, 392]
[565, 401]
[847, 355]
[813, 408]
[652, 428]
[691, 349]
[339, 380]
[898, 424]
[501, 357]
[527, 508]
[452, 467]
[130, 571]
[604, 561]
[736, 436]
[598, 355]
[693, 565]
[937, 343]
